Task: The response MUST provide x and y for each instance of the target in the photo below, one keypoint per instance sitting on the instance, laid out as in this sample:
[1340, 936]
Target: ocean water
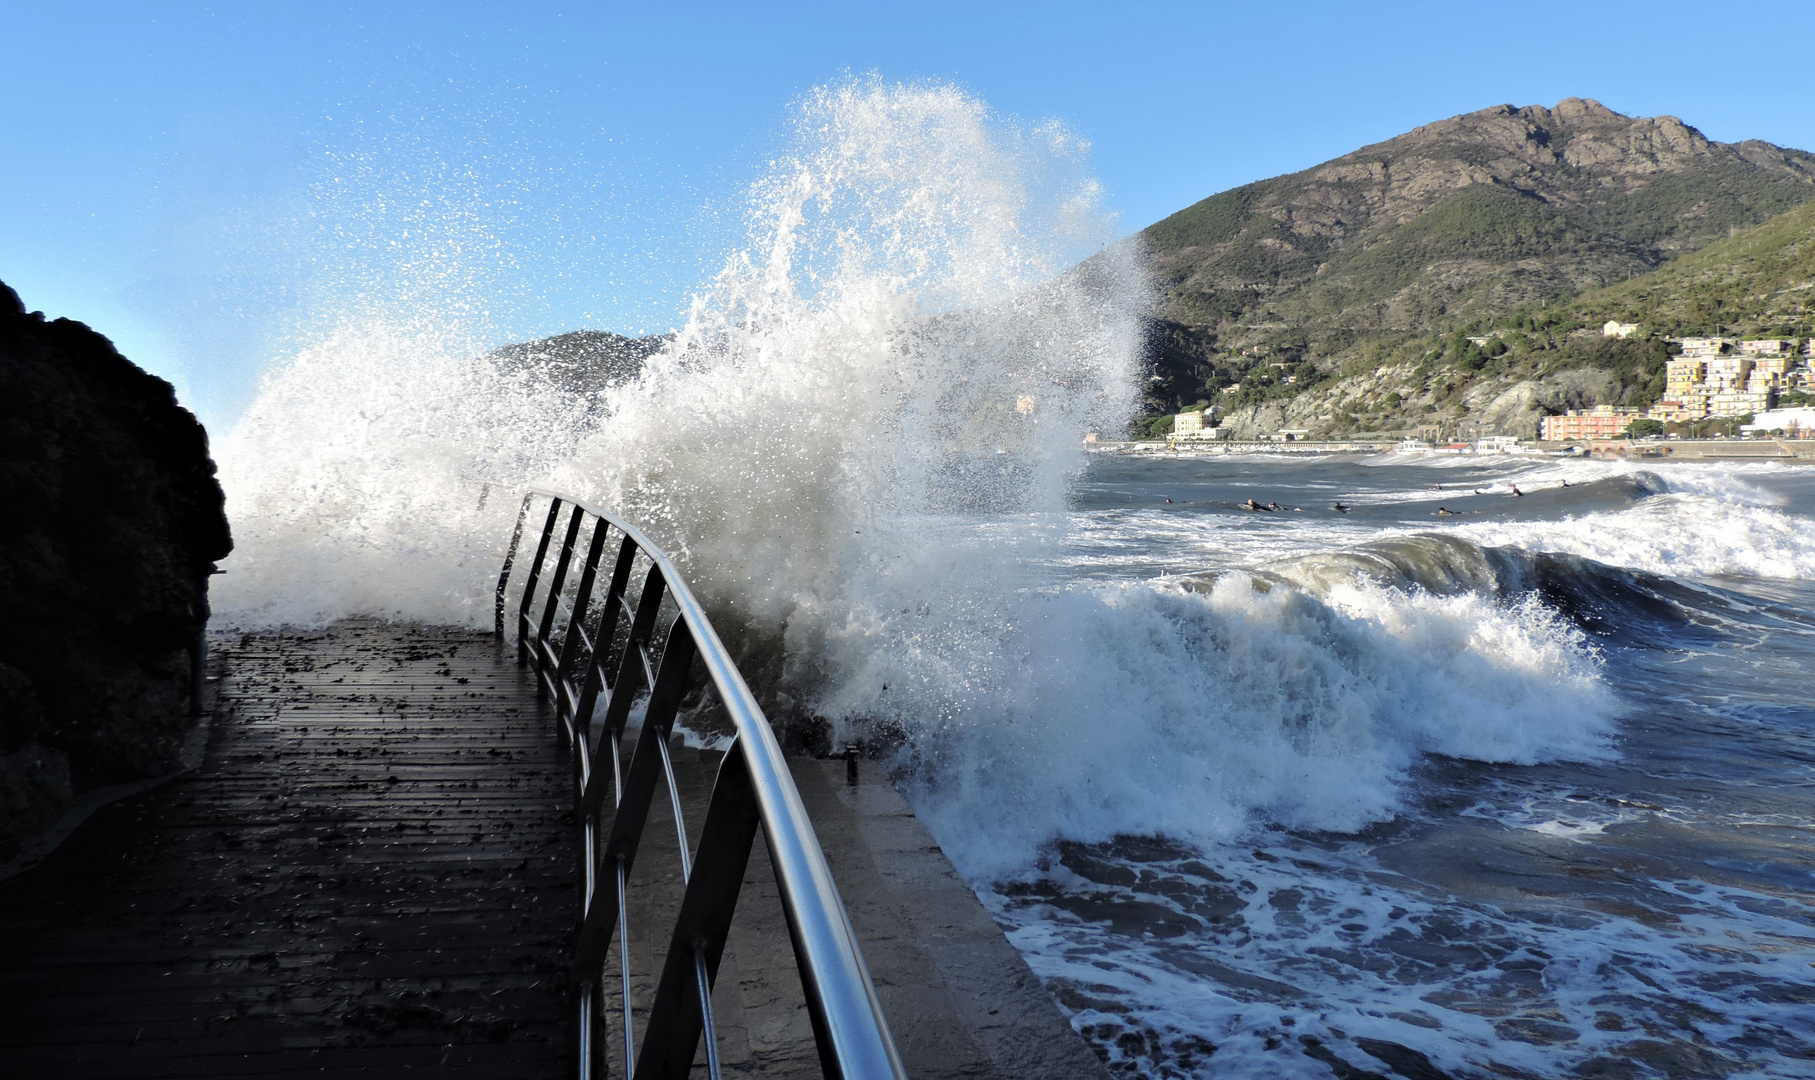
[1640, 902]
[1518, 790]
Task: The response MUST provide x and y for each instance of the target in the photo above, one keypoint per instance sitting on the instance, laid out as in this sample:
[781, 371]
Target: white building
[1194, 427]
[1796, 423]
[1619, 329]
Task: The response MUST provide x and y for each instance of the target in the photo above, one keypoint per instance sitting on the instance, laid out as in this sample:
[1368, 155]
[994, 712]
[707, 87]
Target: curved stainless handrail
[848, 1022]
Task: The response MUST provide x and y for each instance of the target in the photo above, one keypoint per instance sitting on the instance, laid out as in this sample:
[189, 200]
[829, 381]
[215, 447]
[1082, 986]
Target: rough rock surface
[584, 361]
[1499, 406]
[113, 522]
[1473, 215]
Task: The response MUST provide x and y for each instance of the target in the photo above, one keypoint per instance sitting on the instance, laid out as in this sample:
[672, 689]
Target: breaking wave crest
[1686, 532]
[1194, 713]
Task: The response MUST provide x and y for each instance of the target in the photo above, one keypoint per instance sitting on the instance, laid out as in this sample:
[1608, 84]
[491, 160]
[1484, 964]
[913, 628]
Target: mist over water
[1179, 746]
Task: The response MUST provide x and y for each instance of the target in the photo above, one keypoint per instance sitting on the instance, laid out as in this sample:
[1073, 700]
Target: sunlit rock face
[113, 520]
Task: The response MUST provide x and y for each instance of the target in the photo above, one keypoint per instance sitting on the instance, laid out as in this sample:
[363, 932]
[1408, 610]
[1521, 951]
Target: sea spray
[899, 344]
[859, 448]
[377, 475]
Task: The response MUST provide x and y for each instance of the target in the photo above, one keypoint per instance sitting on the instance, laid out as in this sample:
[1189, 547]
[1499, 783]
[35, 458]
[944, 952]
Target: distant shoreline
[1650, 452]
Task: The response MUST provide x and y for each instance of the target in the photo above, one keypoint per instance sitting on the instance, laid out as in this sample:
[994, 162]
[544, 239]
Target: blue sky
[194, 179]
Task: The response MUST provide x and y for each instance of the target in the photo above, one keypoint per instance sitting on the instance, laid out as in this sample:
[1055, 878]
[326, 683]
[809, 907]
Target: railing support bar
[529, 583]
[677, 1017]
[510, 556]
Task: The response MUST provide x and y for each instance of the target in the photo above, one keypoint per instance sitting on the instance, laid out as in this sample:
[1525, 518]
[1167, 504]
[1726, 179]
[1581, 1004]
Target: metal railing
[570, 642]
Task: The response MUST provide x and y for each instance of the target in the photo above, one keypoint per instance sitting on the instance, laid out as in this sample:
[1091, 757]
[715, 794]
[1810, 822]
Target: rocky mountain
[1500, 376]
[583, 361]
[1478, 219]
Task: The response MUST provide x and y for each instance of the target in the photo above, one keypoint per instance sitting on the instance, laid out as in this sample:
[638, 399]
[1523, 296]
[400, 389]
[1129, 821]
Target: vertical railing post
[576, 625]
[510, 557]
[678, 1015]
[529, 583]
[556, 582]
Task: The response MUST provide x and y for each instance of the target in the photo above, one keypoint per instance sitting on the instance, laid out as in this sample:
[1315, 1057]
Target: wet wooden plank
[372, 871]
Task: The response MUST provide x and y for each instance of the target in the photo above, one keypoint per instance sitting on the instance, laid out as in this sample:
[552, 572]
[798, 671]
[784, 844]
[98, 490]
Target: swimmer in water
[1339, 508]
[1252, 505]
[1565, 483]
[1444, 511]
[1516, 491]
[1168, 501]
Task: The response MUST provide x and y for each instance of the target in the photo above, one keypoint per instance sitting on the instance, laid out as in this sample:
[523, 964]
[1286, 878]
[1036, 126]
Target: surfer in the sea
[1444, 511]
[1339, 508]
[1516, 491]
[1252, 505]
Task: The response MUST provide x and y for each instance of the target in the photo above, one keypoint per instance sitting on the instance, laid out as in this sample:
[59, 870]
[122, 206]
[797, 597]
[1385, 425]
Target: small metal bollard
[850, 764]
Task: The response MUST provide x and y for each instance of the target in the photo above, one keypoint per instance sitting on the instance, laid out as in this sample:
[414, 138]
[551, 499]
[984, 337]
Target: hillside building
[1767, 347]
[1705, 346]
[1712, 377]
[1619, 329]
[1794, 423]
[1194, 427]
[1600, 422]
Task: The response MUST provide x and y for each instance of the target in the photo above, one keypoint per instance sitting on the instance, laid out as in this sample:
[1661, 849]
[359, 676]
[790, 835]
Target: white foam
[1344, 971]
[1152, 709]
[1688, 534]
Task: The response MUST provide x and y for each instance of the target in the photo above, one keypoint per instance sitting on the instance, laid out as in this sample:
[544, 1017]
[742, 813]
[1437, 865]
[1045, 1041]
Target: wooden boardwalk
[371, 872]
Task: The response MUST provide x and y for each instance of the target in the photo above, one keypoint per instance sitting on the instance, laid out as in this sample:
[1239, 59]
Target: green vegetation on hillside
[1760, 282]
[1523, 228]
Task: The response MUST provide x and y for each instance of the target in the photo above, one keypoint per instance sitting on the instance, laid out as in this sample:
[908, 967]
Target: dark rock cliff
[112, 522]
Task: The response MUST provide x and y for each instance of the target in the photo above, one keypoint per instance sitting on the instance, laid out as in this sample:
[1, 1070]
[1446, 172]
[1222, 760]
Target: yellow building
[1681, 374]
[1728, 372]
[1738, 402]
[1705, 346]
[1767, 347]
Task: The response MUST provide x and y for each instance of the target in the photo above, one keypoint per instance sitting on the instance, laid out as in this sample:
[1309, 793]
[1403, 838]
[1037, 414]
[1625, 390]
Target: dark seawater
[1651, 913]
